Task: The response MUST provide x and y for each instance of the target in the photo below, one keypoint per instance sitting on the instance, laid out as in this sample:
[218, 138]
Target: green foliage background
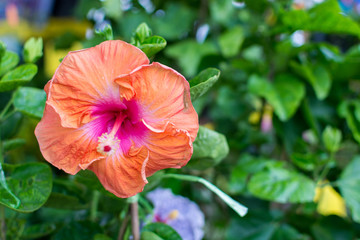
[245, 70]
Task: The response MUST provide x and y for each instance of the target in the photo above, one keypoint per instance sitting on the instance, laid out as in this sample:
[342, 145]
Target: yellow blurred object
[173, 214]
[209, 125]
[270, 17]
[254, 117]
[55, 27]
[52, 56]
[329, 201]
[268, 110]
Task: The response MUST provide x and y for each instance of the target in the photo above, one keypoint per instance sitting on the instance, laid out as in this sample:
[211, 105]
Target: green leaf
[200, 84]
[82, 230]
[210, 148]
[238, 179]
[38, 230]
[142, 39]
[221, 10]
[112, 9]
[2, 50]
[285, 232]
[254, 53]
[331, 52]
[10, 126]
[189, 54]
[176, 23]
[333, 228]
[89, 179]
[332, 138]
[162, 230]
[64, 201]
[142, 32]
[102, 237]
[349, 183]
[305, 161]
[284, 94]
[237, 207]
[8, 62]
[281, 185]
[17, 77]
[16, 228]
[31, 183]
[325, 17]
[33, 50]
[106, 32]
[261, 225]
[317, 76]
[231, 41]
[245, 166]
[251, 227]
[350, 110]
[13, 144]
[30, 101]
[152, 45]
[7, 197]
[150, 236]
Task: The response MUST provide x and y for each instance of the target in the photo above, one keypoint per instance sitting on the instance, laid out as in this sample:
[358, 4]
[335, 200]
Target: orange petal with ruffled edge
[85, 77]
[171, 148]
[123, 175]
[164, 95]
[69, 149]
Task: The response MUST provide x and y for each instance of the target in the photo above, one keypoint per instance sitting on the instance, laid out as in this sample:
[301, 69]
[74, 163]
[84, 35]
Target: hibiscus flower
[110, 111]
[178, 212]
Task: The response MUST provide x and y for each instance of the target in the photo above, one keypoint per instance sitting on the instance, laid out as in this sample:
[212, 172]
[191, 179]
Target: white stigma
[108, 144]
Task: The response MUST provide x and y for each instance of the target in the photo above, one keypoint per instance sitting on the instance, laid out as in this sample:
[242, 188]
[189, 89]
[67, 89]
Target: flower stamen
[108, 143]
[173, 215]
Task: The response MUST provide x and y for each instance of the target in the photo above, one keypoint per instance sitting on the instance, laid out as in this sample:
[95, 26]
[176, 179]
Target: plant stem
[6, 108]
[1, 150]
[8, 115]
[2, 208]
[3, 223]
[122, 229]
[94, 205]
[237, 207]
[135, 226]
[326, 169]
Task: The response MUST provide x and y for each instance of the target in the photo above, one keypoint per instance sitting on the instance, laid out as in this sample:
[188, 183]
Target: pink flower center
[117, 125]
[171, 216]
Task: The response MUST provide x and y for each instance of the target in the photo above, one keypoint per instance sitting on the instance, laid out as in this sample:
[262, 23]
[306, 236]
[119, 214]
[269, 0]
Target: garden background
[275, 83]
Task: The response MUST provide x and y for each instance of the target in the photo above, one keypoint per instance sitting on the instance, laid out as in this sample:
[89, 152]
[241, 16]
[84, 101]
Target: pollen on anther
[108, 144]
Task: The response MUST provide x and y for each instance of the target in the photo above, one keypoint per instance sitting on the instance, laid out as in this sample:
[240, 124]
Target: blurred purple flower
[34, 11]
[310, 137]
[178, 212]
[266, 121]
[266, 124]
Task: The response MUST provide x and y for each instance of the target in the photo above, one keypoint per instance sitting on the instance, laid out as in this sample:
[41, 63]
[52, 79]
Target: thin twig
[3, 223]
[6, 108]
[123, 227]
[326, 169]
[135, 227]
[2, 208]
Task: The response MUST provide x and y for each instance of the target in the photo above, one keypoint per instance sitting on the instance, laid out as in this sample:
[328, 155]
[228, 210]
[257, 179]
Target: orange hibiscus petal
[123, 175]
[85, 77]
[171, 148]
[66, 148]
[164, 95]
